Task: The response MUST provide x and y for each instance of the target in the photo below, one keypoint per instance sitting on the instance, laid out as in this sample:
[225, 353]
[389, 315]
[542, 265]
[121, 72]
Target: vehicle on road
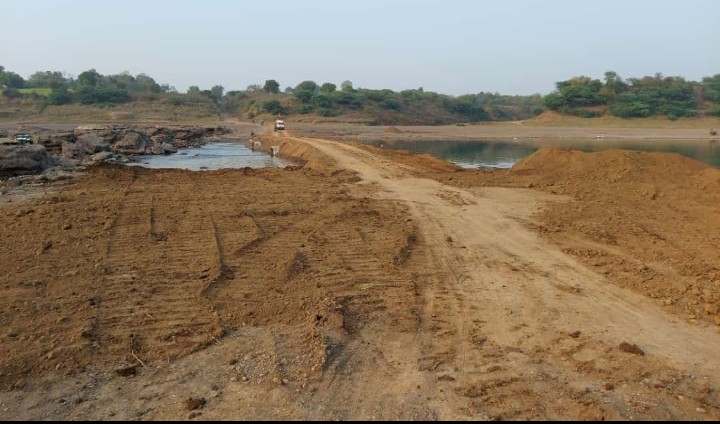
[279, 125]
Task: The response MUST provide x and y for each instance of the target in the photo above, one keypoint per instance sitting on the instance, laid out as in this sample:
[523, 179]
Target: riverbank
[525, 130]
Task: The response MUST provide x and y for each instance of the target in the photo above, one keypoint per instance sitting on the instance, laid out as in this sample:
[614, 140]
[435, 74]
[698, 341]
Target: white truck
[279, 125]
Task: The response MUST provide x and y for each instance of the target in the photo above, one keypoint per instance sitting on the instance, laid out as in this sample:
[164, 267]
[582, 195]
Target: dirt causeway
[366, 284]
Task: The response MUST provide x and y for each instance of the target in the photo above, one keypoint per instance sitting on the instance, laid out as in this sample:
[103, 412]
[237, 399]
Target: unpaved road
[324, 294]
[500, 285]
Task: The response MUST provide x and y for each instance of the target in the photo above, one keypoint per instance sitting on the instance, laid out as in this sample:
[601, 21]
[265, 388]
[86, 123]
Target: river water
[504, 154]
[211, 157]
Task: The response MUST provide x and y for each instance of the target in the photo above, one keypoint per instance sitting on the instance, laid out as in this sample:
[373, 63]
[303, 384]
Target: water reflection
[502, 154]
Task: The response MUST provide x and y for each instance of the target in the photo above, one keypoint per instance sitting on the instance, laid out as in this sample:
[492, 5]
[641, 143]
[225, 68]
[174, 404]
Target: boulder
[161, 138]
[132, 143]
[23, 160]
[169, 148]
[157, 149]
[53, 142]
[101, 157]
[109, 134]
[70, 150]
[91, 144]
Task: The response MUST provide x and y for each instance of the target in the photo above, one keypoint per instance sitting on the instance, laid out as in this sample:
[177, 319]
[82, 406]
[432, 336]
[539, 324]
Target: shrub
[713, 111]
[58, 98]
[327, 112]
[304, 109]
[391, 104]
[11, 93]
[631, 110]
[274, 107]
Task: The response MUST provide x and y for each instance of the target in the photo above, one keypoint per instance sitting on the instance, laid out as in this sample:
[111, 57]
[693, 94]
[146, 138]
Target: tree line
[658, 95]
[90, 87]
[583, 96]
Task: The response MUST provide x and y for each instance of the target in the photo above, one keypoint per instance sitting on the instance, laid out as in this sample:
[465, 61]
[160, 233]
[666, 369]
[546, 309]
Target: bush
[92, 95]
[274, 107]
[176, 100]
[631, 110]
[713, 111]
[58, 98]
[555, 101]
[391, 104]
[327, 112]
[11, 93]
[304, 109]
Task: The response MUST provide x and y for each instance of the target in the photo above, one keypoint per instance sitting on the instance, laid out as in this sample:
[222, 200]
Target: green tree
[328, 88]
[272, 87]
[346, 86]
[89, 78]
[59, 97]
[711, 88]
[274, 107]
[193, 89]
[47, 79]
[217, 93]
[13, 80]
[305, 91]
[555, 101]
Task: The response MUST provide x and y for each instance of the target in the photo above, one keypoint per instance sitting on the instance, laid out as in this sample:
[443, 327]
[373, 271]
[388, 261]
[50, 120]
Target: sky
[447, 46]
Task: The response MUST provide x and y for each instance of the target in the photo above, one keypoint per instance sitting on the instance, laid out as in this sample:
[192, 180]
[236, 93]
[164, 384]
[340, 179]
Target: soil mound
[551, 166]
[649, 222]
[392, 130]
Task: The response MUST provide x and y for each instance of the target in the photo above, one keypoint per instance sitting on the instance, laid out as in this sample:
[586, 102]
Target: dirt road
[509, 298]
[354, 288]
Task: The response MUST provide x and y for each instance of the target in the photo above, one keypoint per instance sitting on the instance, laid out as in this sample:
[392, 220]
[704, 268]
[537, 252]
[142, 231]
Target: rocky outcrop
[90, 144]
[133, 143]
[23, 160]
[53, 142]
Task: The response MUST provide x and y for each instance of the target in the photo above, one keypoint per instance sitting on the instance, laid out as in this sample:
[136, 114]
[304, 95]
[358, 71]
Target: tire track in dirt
[150, 302]
[499, 287]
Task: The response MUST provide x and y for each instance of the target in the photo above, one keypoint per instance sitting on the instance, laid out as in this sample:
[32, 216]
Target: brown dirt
[368, 285]
[647, 221]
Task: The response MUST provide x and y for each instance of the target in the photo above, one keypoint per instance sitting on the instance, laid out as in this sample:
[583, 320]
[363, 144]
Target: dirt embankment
[648, 221]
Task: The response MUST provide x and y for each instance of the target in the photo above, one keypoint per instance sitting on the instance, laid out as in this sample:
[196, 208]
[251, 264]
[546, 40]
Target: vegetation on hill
[673, 97]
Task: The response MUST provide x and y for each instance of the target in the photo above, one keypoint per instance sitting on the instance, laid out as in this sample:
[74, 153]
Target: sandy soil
[366, 285]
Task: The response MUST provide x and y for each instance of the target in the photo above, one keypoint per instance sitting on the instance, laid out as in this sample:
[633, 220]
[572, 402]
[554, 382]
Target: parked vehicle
[23, 138]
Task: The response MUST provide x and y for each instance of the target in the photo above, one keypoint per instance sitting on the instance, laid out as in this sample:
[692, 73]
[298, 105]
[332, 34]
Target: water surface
[504, 154]
[211, 157]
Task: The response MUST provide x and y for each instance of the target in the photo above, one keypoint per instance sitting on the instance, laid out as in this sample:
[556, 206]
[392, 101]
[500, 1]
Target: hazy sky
[448, 46]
